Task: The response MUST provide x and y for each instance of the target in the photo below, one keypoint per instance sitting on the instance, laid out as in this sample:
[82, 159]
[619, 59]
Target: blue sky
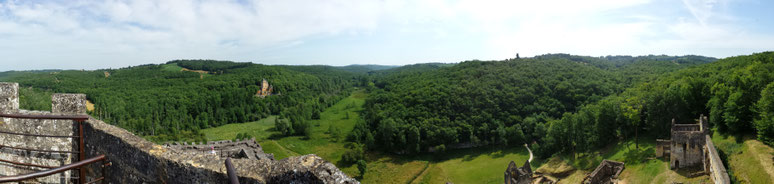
[112, 34]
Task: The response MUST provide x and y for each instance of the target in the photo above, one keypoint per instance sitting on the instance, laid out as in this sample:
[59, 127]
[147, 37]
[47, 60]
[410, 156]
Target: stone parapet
[65, 104]
[716, 168]
[9, 97]
[136, 160]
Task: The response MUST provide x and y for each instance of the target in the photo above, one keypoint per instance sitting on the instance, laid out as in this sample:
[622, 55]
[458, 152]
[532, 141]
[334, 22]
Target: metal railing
[82, 161]
[232, 175]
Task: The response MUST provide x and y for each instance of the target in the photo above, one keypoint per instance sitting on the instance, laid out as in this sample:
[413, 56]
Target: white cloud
[116, 33]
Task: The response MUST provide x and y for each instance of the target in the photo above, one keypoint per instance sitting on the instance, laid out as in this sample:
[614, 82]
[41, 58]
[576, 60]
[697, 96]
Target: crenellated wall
[136, 160]
[62, 104]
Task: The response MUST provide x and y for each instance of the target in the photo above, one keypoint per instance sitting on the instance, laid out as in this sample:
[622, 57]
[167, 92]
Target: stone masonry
[607, 172]
[134, 159]
[248, 149]
[518, 175]
[691, 147]
[61, 104]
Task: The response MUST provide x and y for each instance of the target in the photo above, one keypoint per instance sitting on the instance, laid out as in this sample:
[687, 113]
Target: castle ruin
[606, 173]
[690, 146]
[265, 90]
[518, 175]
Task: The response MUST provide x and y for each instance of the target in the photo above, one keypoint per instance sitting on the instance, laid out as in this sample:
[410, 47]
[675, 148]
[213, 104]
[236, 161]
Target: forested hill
[365, 68]
[425, 107]
[174, 100]
[737, 94]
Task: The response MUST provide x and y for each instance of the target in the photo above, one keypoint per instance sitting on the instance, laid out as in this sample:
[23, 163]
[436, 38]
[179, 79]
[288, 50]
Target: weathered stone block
[9, 103]
[68, 103]
[9, 97]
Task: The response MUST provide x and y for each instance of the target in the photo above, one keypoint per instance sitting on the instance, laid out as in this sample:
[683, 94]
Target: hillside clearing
[749, 160]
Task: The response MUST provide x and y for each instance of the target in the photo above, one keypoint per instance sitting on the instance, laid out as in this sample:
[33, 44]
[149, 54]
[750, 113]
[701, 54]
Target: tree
[315, 114]
[413, 139]
[354, 153]
[283, 126]
[362, 167]
[734, 112]
[765, 122]
[631, 112]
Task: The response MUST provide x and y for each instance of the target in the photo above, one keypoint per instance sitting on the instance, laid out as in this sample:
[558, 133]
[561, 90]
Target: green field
[172, 67]
[320, 142]
[641, 166]
[474, 165]
[485, 165]
[459, 166]
[749, 160]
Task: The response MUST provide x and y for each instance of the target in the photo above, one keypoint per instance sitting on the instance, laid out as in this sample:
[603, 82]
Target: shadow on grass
[638, 155]
[342, 163]
[498, 154]
[276, 136]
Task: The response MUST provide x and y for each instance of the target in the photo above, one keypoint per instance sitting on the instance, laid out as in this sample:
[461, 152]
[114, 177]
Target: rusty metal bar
[38, 135]
[64, 168]
[232, 175]
[96, 180]
[46, 116]
[26, 164]
[82, 152]
[103, 166]
[38, 150]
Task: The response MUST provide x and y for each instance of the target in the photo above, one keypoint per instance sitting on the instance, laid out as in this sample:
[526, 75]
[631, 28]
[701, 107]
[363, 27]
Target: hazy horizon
[39, 35]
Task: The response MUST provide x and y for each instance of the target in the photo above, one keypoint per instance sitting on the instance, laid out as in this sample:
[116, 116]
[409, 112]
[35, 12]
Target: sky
[73, 34]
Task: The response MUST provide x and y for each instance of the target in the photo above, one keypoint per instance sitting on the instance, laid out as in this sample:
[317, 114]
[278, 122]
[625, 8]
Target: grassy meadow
[486, 165]
[458, 166]
[747, 159]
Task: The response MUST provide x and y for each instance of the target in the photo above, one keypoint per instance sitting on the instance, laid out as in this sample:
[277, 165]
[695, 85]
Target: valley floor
[750, 161]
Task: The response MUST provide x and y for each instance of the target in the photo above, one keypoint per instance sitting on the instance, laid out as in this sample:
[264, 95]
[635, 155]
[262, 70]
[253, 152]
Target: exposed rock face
[135, 160]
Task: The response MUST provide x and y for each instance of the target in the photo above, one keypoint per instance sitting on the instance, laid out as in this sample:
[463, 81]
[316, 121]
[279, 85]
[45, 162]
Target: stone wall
[135, 160]
[716, 168]
[687, 148]
[247, 148]
[62, 104]
[606, 172]
[663, 147]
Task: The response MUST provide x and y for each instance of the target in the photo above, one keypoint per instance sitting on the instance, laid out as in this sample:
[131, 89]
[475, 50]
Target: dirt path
[420, 174]
[763, 153]
[530, 152]
[286, 150]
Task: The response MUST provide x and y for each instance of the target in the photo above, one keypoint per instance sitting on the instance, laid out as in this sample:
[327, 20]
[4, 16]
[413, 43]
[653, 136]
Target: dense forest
[433, 107]
[555, 102]
[737, 94]
[162, 102]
